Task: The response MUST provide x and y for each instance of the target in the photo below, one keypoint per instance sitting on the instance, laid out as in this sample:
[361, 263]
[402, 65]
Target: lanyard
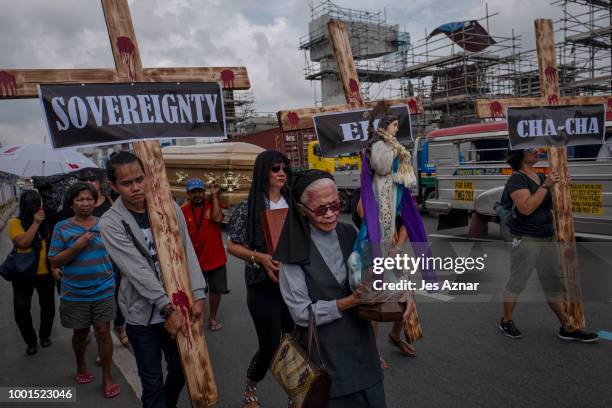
[198, 224]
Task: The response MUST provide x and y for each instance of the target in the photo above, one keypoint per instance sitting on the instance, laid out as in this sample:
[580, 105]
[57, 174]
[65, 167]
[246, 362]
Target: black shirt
[539, 223]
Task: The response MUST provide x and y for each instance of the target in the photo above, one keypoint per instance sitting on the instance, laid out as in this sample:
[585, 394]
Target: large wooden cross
[302, 118]
[22, 83]
[298, 119]
[564, 222]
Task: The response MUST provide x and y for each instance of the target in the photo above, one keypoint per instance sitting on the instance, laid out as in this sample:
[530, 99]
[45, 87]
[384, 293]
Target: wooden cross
[302, 118]
[22, 83]
[564, 222]
[298, 119]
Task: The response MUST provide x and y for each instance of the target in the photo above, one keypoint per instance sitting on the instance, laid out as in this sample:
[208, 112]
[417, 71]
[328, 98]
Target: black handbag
[19, 266]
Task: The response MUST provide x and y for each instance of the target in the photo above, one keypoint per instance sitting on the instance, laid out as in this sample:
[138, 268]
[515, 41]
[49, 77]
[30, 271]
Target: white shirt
[282, 203]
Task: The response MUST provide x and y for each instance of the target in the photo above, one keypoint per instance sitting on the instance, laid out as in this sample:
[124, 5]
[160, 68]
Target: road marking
[606, 335]
[464, 238]
[437, 296]
[126, 362]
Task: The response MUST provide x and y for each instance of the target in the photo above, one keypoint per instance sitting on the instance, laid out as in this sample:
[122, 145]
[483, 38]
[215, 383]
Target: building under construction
[379, 50]
[459, 62]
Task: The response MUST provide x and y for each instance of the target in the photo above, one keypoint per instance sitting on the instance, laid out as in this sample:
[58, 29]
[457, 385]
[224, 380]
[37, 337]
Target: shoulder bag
[19, 266]
[307, 384]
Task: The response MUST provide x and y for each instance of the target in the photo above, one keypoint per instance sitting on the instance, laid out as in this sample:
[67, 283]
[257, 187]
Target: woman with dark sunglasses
[269, 190]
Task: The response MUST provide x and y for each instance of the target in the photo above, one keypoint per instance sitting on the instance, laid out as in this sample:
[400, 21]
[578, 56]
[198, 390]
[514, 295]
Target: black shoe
[45, 342]
[577, 335]
[509, 329]
[32, 349]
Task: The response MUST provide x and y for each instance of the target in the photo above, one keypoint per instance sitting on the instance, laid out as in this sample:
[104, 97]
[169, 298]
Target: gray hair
[315, 185]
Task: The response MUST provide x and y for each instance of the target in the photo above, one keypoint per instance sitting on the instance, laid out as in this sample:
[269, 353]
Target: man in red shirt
[203, 219]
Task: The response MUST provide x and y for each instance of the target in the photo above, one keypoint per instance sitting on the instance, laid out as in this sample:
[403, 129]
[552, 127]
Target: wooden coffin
[228, 164]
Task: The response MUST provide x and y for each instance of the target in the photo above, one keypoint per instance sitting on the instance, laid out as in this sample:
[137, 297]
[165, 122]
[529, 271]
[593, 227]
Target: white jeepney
[471, 174]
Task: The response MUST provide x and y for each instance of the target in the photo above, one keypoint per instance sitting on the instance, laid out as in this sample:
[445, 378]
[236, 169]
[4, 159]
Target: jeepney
[471, 173]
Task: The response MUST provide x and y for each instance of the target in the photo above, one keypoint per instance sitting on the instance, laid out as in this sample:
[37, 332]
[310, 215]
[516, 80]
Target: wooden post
[557, 156]
[162, 214]
[346, 64]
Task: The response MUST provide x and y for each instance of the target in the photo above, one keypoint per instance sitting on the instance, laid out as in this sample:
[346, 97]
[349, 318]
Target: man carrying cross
[153, 320]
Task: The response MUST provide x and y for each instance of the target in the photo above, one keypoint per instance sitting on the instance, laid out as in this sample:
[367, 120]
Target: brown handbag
[306, 383]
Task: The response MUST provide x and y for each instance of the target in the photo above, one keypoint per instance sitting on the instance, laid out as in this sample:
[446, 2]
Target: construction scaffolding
[239, 111]
[587, 45]
[448, 74]
[379, 50]
[459, 62]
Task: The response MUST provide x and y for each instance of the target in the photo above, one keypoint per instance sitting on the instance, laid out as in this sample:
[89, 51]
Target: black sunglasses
[90, 179]
[276, 168]
[322, 209]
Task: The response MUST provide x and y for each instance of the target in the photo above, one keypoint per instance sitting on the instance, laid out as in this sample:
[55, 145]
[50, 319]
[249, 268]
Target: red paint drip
[497, 111]
[127, 50]
[227, 76]
[73, 165]
[553, 100]
[181, 301]
[8, 84]
[413, 106]
[551, 73]
[293, 120]
[354, 88]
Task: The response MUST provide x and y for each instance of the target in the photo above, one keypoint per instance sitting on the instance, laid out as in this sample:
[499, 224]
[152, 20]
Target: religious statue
[387, 178]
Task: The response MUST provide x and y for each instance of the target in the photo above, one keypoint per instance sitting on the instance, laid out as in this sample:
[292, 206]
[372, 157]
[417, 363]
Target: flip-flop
[383, 363]
[84, 378]
[112, 391]
[405, 348]
[215, 327]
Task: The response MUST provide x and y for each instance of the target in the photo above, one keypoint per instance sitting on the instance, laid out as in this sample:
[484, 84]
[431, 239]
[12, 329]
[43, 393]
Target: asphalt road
[463, 359]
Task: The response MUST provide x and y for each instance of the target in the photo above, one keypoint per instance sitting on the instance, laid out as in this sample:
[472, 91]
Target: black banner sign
[344, 132]
[98, 114]
[555, 126]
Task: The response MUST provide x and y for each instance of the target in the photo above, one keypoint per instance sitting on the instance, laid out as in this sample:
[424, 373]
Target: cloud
[263, 35]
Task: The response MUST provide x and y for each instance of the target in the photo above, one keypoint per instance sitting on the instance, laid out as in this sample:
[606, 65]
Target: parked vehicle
[471, 174]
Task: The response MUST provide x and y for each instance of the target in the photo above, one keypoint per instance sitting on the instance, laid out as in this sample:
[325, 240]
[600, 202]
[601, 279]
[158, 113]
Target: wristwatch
[166, 311]
[546, 186]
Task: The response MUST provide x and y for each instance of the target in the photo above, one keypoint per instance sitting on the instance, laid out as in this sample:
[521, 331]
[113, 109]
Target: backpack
[504, 208]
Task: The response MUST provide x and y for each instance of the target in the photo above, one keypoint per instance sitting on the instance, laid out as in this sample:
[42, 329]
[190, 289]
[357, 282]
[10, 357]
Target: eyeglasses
[276, 168]
[90, 179]
[533, 150]
[322, 210]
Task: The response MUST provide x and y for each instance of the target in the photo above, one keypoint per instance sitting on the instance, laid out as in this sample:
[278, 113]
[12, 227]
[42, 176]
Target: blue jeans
[148, 343]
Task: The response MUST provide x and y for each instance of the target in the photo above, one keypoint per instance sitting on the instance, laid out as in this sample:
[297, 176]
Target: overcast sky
[262, 35]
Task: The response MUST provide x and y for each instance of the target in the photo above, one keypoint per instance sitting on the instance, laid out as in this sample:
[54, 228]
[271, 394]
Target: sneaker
[509, 329]
[577, 335]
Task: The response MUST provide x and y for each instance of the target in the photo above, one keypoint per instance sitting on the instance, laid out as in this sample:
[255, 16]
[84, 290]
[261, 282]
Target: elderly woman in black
[246, 241]
[532, 245]
[313, 250]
